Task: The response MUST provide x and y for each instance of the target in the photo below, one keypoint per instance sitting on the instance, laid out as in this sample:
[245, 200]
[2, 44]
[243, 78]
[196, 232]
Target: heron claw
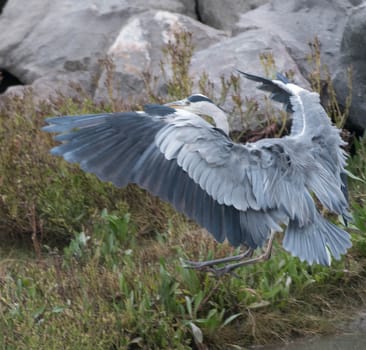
[240, 260]
[203, 266]
[222, 271]
[196, 265]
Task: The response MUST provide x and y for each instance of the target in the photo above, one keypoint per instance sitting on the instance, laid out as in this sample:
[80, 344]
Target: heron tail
[316, 241]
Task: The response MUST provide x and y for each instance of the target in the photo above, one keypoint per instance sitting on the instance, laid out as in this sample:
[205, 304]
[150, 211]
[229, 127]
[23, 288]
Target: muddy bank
[353, 337]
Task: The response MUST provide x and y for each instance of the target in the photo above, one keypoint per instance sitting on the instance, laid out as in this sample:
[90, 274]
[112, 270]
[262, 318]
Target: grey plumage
[104, 145]
[238, 192]
[198, 98]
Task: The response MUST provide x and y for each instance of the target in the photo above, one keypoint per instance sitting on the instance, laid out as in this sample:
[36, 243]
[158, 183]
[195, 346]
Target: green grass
[108, 290]
[76, 275]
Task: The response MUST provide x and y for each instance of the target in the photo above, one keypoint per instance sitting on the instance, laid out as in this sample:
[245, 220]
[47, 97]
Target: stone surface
[64, 40]
[54, 43]
[353, 55]
[138, 48]
[298, 22]
[224, 14]
[243, 52]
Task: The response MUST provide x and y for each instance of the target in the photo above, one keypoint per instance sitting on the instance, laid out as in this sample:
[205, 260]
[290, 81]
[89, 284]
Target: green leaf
[58, 309]
[197, 333]
[230, 319]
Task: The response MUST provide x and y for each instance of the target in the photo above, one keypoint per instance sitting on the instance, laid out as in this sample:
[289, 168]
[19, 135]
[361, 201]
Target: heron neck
[221, 121]
[309, 117]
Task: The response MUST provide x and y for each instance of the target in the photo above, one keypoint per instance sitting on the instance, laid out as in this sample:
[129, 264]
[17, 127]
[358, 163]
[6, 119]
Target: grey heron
[244, 193]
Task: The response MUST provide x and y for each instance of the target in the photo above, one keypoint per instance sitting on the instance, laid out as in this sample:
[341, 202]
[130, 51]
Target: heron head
[196, 103]
[203, 106]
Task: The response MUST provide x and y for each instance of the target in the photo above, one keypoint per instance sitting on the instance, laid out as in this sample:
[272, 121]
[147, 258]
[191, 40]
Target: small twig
[36, 244]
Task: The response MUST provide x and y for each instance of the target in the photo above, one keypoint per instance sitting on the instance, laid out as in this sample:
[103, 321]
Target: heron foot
[203, 265]
[246, 257]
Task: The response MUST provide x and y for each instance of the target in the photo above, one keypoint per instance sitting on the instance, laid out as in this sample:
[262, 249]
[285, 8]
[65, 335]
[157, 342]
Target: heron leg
[231, 267]
[199, 265]
[209, 265]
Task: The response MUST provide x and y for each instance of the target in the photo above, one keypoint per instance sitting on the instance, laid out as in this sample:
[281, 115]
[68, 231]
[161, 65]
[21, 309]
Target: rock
[298, 22]
[7, 79]
[354, 39]
[353, 55]
[224, 14]
[54, 43]
[2, 4]
[64, 40]
[243, 52]
[138, 49]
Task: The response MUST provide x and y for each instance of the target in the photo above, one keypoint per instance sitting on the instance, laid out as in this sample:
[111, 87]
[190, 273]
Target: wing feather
[260, 176]
[311, 242]
[121, 148]
[238, 192]
[311, 125]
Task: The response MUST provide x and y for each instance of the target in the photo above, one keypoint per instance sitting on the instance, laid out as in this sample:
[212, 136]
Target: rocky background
[48, 44]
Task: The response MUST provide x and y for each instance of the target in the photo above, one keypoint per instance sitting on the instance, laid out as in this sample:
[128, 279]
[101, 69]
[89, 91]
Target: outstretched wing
[269, 176]
[104, 144]
[239, 192]
[121, 148]
[322, 141]
[259, 176]
[307, 113]
[278, 94]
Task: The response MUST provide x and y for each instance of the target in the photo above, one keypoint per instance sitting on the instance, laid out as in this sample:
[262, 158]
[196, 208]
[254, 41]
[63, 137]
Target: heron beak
[177, 104]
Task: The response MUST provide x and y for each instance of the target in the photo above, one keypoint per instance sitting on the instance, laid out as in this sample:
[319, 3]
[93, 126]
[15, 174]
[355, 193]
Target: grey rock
[224, 14]
[243, 52]
[353, 55]
[298, 22]
[354, 39]
[341, 36]
[64, 40]
[2, 4]
[54, 43]
[138, 48]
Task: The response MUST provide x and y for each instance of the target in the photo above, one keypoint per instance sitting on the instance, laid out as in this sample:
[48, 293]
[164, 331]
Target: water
[335, 342]
[353, 338]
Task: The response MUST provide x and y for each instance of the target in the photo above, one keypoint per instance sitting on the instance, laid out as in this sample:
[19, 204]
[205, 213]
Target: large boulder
[353, 56]
[243, 52]
[138, 48]
[54, 43]
[61, 41]
[224, 14]
[299, 22]
[339, 26]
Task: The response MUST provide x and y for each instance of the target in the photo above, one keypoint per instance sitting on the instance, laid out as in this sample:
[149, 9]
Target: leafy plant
[178, 54]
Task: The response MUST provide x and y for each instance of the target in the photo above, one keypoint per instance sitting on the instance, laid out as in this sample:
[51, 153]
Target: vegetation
[104, 270]
[321, 82]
